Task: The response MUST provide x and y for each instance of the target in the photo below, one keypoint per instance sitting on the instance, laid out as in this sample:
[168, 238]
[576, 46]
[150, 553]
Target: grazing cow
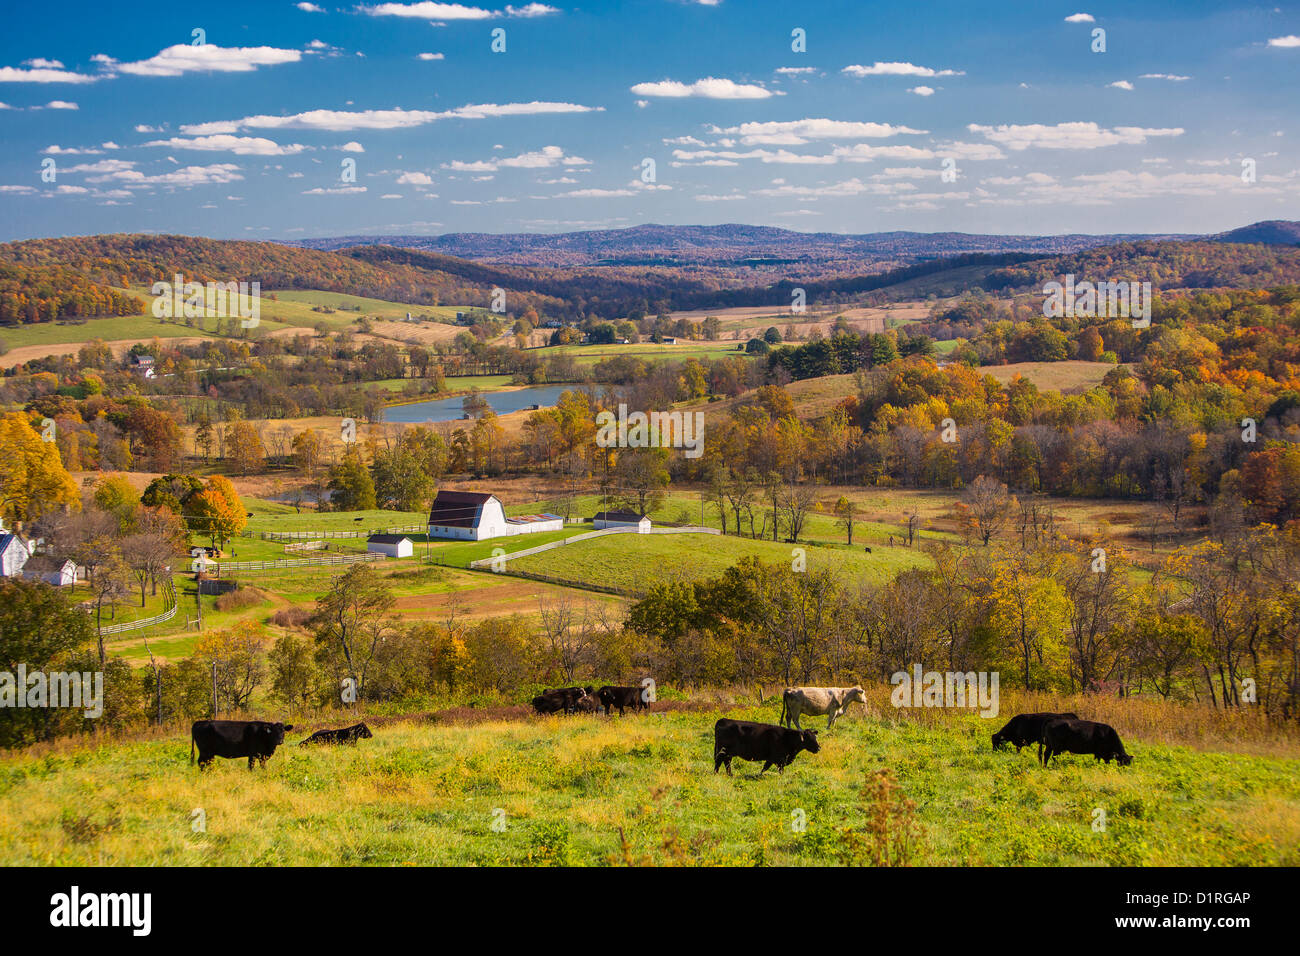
[232, 739]
[832, 701]
[753, 741]
[345, 735]
[621, 697]
[1081, 737]
[588, 703]
[566, 699]
[1025, 729]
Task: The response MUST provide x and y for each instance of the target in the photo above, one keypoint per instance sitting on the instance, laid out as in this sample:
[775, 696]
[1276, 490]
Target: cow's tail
[191, 747]
[785, 709]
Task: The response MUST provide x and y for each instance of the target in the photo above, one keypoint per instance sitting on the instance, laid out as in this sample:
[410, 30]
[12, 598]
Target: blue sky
[246, 134]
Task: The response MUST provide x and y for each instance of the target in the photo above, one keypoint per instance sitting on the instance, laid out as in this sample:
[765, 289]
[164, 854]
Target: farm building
[44, 567]
[474, 516]
[15, 551]
[393, 545]
[621, 519]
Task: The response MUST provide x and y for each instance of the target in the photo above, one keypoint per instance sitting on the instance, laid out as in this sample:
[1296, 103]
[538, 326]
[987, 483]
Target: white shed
[393, 545]
[621, 519]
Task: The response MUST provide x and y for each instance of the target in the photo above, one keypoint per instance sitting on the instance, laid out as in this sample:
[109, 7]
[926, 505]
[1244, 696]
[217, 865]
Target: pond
[452, 409]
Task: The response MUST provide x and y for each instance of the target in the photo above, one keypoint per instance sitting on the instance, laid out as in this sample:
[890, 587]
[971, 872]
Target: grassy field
[637, 562]
[641, 790]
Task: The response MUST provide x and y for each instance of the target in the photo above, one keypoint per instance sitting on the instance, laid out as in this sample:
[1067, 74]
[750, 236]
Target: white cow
[832, 701]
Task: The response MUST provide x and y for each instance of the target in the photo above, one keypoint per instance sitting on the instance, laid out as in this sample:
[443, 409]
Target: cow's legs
[766, 765]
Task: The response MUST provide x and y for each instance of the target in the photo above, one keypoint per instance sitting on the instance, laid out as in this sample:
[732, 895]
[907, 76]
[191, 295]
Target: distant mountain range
[735, 245]
[727, 245]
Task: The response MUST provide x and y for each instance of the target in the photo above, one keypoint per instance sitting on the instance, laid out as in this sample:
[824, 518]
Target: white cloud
[10, 74]
[1121, 85]
[309, 8]
[794, 71]
[1080, 18]
[61, 105]
[415, 179]
[849, 187]
[922, 90]
[185, 58]
[53, 150]
[352, 147]
[454, 11]
[544, 158]
[595, 193]
[239, 145]
[1164, 76]
[431, 56]
[710, 87]
[334, 191]
[123, 171]
[706, 197]
[898, 69]
[1068, 135]
[1286, 41]
[343, 121]
[798, 132]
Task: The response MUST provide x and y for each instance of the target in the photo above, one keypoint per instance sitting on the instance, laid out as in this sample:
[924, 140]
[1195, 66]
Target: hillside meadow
[888, 786]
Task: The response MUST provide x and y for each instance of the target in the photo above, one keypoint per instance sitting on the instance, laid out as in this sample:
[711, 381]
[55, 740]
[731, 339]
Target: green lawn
[560, 790]
[637, 562]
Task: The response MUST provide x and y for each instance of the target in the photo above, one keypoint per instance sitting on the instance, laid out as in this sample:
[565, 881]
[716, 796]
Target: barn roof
[387, 538]
[617, 516]
[458, 509]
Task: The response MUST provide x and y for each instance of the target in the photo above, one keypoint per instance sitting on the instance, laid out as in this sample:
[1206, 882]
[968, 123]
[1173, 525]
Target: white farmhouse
[621, 519]
[15, 552]
[475, 516]
[393, 545]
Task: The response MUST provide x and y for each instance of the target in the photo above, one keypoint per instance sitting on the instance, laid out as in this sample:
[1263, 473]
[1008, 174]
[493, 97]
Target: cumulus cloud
[710, 87]
[345, 120]
[1164, 76]
[898, 69]
[334, 191]
[1080, 18]
[431, 56]
[1286, 41]
[922, 90]
[42, 74]
[185, 58]
[544, 158]
[1121, 85]
[1068, 135]
[224, 142]
[798, 132]
[454, 11]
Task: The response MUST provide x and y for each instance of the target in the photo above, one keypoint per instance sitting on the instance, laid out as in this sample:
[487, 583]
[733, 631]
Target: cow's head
[274, 733]
[364, 732]
[1123, 758]
[856, 693]
[998, 741]
[808, 740]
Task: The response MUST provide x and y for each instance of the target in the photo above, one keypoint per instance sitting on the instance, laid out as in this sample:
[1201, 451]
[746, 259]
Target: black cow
[1025, 729]
[561, 698]
[749, 740]
[1081, 737]
[345, 735]
[621, 697]
[232, 739]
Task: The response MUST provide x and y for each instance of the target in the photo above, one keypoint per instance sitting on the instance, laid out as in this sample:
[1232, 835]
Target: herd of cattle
[776, 745]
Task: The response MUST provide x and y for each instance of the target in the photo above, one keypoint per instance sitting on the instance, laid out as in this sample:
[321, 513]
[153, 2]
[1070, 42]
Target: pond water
[451, 409]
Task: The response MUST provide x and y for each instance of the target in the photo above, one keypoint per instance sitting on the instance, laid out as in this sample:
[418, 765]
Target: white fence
[218, 569]
[169, 593]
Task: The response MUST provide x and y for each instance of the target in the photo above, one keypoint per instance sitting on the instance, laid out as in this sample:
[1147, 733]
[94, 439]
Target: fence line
[170, 593]
[281, 536]
[220, 568]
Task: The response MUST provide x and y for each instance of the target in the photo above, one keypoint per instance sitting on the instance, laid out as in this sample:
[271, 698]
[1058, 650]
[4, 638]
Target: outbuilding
[393, 545]
[621, 519]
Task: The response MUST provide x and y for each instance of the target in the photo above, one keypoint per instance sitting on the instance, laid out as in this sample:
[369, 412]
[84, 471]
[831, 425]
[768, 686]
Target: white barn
[476, 516]
[621, 519]
[393, 545]
[44, 567]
